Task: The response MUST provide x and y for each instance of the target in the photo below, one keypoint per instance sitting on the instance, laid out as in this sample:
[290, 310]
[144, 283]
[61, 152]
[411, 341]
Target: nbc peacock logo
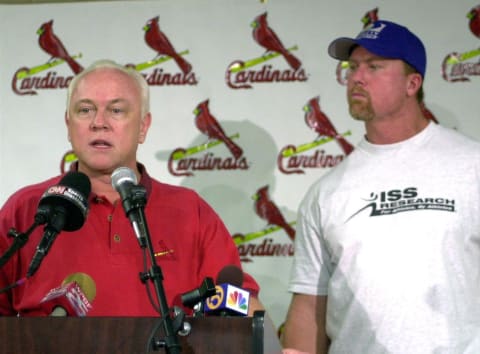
[237, 300]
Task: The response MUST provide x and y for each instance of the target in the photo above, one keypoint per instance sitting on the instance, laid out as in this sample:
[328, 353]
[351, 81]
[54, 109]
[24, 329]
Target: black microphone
[230, 274]
[63, 207]
[134, 198]
[195, 299]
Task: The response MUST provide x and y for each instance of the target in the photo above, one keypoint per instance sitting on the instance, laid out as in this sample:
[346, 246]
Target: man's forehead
[362, 54]
[96, 85]
[94, 101]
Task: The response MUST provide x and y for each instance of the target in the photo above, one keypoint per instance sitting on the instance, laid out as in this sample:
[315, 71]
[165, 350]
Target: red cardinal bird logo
[209, 126]
[267, 38]
[159, 42]
[51, 44]
[267, 210]
[319, 122]
[474, 21]
[370, 17]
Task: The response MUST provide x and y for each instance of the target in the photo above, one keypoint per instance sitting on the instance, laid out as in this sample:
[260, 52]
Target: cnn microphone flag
[230, 299]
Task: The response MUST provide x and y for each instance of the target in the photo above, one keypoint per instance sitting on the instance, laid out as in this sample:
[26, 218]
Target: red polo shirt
[190, 242]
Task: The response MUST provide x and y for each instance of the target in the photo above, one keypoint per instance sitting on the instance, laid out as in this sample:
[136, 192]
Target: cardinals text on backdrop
[30, 85]
[160, 78]
[298, 163]
[267, 248]
[207, 162]
[454, 68]
[245, 78]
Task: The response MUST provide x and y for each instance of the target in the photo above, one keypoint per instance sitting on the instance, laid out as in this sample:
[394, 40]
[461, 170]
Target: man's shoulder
[31, 192]
[165, 190]
[456, 136]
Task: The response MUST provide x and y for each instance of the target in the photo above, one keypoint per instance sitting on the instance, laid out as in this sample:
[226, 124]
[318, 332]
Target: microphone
[134, 198]
[72, 298]
[230, 299]
[61, 207]
[195, 299]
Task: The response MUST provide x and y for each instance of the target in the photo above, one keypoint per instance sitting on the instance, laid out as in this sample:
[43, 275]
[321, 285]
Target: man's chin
[360, 113]
[361, 118]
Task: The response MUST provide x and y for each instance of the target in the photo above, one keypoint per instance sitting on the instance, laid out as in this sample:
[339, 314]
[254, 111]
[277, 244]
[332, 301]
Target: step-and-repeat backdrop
[259, 68]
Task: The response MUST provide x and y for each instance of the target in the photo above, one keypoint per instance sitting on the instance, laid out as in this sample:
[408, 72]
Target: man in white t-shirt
[387, 252]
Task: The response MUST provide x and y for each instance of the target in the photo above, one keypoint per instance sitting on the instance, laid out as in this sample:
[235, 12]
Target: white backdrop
[263, 119]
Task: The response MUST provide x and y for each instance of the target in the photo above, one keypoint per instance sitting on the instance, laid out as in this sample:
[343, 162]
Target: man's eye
[86, 110]
[117, 112]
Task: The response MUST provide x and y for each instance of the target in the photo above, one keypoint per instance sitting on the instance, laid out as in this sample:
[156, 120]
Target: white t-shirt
[392, 237]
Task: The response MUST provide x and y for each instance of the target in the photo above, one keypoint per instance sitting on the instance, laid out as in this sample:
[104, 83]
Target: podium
[130, 335]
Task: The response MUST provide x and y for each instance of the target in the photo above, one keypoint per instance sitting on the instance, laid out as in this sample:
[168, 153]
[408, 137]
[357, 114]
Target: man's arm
[305, 325]
[254, 305]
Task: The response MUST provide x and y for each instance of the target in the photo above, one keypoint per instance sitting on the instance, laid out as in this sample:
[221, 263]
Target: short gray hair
[110, 64]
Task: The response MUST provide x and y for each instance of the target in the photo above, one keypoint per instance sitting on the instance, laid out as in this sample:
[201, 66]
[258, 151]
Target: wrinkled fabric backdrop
[259, 99]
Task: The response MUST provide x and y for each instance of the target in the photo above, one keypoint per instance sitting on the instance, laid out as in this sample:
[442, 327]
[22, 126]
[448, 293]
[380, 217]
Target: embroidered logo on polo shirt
[397, 201]
[164, 252]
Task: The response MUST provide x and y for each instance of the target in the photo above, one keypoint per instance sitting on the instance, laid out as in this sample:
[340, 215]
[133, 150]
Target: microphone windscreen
[72, 298]
[230, 274]
[71, 193]
[69, 298]
[123, 175]
[77, 180]
[85, 282]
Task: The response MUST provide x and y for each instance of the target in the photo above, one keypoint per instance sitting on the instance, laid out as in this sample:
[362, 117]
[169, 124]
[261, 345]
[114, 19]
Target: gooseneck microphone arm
[134, 199]
[20, 238]
[52, 229]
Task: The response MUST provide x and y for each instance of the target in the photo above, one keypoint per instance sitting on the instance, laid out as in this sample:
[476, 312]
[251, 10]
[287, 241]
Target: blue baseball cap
[386, 39]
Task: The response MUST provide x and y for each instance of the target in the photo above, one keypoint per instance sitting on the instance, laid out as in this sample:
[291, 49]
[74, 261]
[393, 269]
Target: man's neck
[395, 130]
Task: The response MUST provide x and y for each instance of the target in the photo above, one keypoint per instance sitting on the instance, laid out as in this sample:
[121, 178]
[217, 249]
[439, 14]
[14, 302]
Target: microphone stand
[21, 238]
[136, 203]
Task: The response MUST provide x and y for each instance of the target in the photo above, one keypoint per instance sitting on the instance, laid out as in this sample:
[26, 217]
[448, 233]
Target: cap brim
[341, 48]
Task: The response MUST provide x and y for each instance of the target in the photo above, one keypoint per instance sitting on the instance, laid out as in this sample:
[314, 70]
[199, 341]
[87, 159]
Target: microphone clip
[136, 199]
[195, 298]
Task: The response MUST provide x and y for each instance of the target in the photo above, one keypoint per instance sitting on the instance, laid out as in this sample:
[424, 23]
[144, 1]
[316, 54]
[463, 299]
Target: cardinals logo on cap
[342, 67]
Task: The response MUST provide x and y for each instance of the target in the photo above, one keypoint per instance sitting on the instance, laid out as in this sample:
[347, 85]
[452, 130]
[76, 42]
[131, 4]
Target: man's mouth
[100, 143]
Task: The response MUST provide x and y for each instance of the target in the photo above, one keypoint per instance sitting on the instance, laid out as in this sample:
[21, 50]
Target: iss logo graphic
[27, 81]
[396, 201]
[241, 75]
[181, 164]
[292, 159]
